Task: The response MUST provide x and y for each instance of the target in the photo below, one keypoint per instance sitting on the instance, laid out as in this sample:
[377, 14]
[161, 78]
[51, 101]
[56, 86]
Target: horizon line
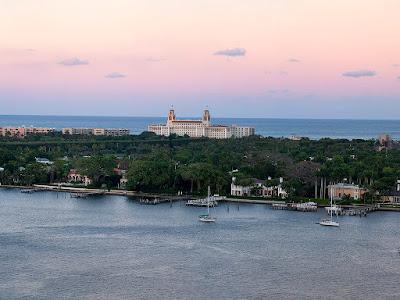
[194, 117]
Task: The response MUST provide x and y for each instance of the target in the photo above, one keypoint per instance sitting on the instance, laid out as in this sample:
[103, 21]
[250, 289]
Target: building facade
[23, 131]
[340, 190]
[259, 189]
[199, 128]
[96, 131]
[393, 196]
[75, 177]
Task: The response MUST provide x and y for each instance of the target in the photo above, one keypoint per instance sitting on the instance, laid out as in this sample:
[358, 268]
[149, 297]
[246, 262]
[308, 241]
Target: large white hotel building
[199, 128]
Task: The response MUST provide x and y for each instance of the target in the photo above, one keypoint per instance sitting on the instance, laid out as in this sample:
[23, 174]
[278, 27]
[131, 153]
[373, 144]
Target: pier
[85, 194]
[361, 211]
[153, 200]
[303, 207]
[30, 190]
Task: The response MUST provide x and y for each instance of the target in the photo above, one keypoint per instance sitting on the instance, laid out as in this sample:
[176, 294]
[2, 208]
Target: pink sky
[162, 52]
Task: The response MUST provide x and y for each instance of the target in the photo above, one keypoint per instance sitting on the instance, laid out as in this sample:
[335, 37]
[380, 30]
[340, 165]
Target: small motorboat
[329, 222]
[207, 218]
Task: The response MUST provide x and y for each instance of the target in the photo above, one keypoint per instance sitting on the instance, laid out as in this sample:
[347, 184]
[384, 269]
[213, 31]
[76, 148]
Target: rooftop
[345, 185]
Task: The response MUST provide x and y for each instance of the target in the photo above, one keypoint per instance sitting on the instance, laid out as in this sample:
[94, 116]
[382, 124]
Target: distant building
[393, 196]
[23, 131]
[240, 190]
[78, 131]
[199, 128]
[38, 130]
[384, 139]
[340, 190]
[258, 189]
[294, 137]
[75, 177]
[385, 142]
[43, 161]
[96, 131]
[116, 132]
[99, 131]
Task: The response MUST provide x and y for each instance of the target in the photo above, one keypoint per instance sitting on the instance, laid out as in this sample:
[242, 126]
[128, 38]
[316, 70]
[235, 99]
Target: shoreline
[113, 192]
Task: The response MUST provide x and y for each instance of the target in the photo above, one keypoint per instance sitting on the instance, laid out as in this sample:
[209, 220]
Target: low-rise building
[12, 131]
[199, 128]
[38, 130]
[75, 177]
[240, 190]
[294, 137]
[96, 131]
[116, 132]
[340, 190]
[99, 131]
[77, 131]
[23, 131]
[393, 196]
[259, 188]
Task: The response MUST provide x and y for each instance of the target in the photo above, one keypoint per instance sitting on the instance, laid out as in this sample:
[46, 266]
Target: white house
[259, 189]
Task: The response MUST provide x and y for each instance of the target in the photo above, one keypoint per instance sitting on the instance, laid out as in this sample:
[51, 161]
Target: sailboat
[329, 222]
[207, 218]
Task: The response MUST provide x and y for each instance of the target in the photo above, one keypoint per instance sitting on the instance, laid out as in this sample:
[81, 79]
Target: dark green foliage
[161, 164]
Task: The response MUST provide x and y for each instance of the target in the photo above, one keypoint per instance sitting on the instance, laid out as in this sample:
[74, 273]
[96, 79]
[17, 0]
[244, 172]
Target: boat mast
[331, 201]
[208, 201]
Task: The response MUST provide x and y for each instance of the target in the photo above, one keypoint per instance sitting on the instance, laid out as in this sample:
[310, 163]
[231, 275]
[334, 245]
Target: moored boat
[329, 222]
[207, 218]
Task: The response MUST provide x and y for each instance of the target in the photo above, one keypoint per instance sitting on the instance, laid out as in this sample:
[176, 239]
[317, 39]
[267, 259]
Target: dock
[30, 191]
[85, 194]
[303, 207]
[151, 200]
[361, 211]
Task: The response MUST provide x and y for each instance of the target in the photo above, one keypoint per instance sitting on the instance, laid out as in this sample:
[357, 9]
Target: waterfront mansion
[199, 128]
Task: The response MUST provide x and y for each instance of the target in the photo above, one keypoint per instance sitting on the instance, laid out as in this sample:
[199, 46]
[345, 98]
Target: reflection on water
[54, 246]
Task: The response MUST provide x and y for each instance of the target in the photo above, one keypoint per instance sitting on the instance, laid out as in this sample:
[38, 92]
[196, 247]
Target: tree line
[181, 164]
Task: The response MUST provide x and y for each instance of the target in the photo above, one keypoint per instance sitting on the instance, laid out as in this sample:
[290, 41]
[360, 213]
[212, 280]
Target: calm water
[112, 248]
[312, 128]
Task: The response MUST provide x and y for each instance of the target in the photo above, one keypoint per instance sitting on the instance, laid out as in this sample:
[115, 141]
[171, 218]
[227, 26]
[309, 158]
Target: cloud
[115, 75]
[359, 73]
[293, 60]
[395, 65]
[231, 52]
[398, 77]
[74, 61]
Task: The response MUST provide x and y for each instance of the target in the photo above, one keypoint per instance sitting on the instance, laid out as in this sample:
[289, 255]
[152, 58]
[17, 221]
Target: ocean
[312, 128]
[53, 246]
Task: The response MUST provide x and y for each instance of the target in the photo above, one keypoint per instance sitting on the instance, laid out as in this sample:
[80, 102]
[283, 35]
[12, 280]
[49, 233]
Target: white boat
[329, 222]
[207, 218]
